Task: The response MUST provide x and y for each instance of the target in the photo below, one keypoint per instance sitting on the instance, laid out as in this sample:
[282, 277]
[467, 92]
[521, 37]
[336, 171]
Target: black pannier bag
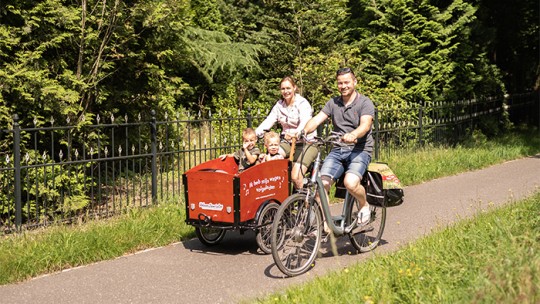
[383, 188]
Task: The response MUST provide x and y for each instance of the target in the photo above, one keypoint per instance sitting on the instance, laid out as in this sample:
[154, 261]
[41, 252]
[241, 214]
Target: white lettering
[263, 185]
[265, 188]
[211, 206]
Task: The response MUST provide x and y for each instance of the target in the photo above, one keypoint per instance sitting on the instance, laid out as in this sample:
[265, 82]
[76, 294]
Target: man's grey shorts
[345, 158]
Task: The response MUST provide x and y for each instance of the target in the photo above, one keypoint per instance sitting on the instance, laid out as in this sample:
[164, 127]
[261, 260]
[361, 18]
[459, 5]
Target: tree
[420, 52]
[510, 36]
[304, 39]
[65, 59]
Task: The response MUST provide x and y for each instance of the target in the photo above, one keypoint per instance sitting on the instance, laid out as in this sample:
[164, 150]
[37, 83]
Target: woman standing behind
[292, 111]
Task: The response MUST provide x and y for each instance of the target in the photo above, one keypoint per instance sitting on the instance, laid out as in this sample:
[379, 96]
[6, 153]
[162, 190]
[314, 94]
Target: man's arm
[364, 127]
[314, 122]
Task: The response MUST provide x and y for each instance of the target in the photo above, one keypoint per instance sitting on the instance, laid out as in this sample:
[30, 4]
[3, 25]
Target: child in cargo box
[271, 142]
[247, 155]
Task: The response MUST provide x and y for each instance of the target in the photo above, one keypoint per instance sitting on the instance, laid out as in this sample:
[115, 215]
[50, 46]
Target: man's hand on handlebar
[340, 139]
[348, 138]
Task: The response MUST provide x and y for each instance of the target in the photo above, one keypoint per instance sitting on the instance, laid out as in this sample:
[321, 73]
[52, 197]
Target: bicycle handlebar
[335, 138]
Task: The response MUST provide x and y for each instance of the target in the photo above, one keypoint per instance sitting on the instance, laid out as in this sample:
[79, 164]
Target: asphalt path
[235, 270]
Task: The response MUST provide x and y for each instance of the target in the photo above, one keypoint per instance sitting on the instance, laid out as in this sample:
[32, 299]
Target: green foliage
[64, 60]
[510, 36]
[55, 188]
[420, 53]
[304, 39]
[207, 15]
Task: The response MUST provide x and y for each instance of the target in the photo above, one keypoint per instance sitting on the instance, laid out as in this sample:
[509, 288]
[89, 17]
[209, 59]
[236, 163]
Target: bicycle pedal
[324, 237]
[326, 229]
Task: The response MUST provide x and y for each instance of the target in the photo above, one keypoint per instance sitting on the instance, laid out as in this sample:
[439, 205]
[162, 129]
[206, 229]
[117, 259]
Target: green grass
[493, 258]
[34, 253]
[60, 247]
[420, 165]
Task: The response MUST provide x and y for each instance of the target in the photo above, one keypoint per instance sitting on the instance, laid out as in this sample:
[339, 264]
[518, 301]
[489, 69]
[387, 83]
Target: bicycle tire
[210, 236]
[296, 235]
[264, 232]
[368, 237]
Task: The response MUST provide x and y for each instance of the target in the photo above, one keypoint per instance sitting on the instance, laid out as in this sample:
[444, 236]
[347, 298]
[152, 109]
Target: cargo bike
[219, 198]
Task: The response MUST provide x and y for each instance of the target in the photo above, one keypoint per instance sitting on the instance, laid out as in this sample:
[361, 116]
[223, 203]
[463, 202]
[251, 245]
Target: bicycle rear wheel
[296, 235]
[366, 238]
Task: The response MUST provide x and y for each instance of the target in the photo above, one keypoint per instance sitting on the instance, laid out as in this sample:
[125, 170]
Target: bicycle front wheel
[210, 236]
[296, 235]
[366, 238]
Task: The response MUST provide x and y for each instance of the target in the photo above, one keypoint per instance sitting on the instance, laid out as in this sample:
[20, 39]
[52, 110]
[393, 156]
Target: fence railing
[98, 168]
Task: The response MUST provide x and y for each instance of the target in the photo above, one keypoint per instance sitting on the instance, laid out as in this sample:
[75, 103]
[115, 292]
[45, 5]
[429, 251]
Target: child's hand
[222, 157]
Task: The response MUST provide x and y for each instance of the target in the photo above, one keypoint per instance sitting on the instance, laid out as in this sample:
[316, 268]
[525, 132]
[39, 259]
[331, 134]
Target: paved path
[188, 272]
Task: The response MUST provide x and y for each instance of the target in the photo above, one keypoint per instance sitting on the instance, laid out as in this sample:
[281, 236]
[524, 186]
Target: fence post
[420, 125]
[536, 96]
[17, 172]
[249, 118]
[153, 131]
[377, 143]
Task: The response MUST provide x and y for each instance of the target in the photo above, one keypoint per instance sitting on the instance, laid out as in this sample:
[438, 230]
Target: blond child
[271, 142]
[246, 156]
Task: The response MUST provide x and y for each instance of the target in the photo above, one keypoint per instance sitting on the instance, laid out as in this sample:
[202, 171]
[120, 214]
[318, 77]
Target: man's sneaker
[364, 216]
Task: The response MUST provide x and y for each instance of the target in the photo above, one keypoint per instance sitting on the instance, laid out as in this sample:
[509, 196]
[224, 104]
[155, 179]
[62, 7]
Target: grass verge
[60, 247]
[493, 258]
[34, 253]
[428, 163]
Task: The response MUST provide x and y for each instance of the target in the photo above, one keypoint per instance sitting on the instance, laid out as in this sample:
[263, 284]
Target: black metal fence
[101, 167]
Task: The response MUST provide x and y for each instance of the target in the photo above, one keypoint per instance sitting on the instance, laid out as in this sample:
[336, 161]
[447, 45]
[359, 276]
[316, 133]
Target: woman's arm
[306, 113]
[268, 123]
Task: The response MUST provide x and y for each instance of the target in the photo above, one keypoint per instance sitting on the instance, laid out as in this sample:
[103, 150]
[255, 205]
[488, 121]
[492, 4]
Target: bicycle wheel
[264, 222]
[366, 238]
[209, 236]
[296, 235]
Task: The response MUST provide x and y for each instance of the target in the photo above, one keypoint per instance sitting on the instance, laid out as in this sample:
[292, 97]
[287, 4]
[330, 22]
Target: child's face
[272, 145]
[249, 142]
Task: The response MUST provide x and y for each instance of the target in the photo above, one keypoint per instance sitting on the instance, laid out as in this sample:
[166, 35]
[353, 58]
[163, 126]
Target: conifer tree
[421, 52]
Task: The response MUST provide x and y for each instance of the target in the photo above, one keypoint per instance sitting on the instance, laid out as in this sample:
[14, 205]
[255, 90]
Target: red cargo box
[217, 193]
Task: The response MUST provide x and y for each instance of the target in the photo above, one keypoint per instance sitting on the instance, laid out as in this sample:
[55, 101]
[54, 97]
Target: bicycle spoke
[295, 235]
[368, 237]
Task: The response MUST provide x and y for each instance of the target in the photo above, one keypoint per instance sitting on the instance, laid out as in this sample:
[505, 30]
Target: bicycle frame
[317, 185]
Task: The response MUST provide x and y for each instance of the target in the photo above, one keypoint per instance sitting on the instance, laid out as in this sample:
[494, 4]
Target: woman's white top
[292, 118]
